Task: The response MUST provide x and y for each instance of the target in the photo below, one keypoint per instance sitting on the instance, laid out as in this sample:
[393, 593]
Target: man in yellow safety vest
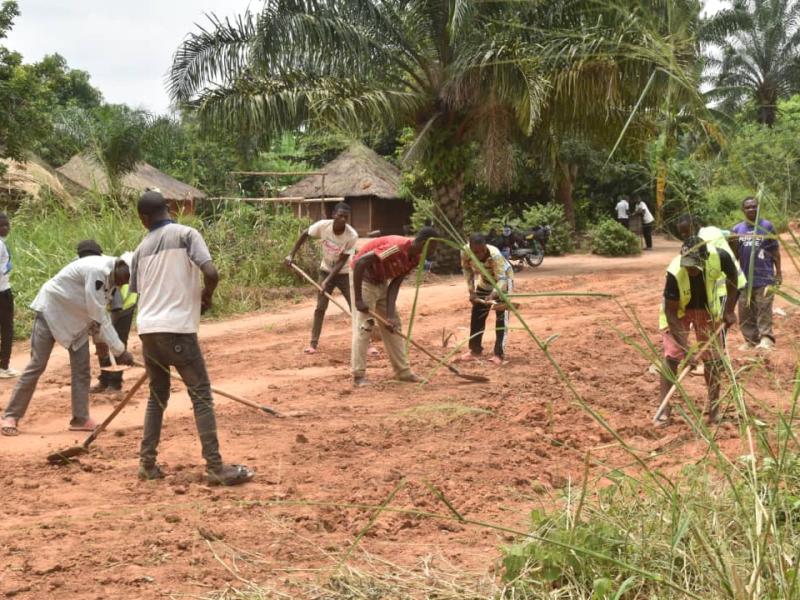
[692, 299]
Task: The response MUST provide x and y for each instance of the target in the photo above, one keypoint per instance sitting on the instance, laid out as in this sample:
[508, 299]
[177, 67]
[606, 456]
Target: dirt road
[495, 451]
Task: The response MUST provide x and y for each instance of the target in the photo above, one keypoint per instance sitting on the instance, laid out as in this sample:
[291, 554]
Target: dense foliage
[609, 238]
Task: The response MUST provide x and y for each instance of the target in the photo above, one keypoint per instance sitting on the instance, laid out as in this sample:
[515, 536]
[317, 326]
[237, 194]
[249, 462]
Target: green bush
[560, 241]
[609, 238]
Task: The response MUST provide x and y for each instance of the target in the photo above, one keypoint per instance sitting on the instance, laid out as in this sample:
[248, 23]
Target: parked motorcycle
[523, 247]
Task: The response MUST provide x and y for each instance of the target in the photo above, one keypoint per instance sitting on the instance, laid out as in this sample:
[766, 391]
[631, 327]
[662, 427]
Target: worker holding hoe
[166, 275]
[378, 270]
[691, 299]
[483, 293]
[338, 242]
[68, 309]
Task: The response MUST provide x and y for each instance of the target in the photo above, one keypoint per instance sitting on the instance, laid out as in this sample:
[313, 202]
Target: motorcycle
[523, 247]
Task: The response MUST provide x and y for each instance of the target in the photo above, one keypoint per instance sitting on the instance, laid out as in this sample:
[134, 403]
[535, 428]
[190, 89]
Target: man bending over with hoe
[484, 295]
[378, 270]
[338, 241]
[166, 275]
[68, 309]
[691, 299]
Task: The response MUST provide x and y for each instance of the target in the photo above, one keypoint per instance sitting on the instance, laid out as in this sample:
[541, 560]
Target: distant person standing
[623, 209]
[338, 241]
[640, 206]
[6, 302]
[759, 253]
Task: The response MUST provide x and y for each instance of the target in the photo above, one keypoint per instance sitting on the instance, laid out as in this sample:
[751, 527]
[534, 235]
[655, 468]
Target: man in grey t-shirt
[166, 275]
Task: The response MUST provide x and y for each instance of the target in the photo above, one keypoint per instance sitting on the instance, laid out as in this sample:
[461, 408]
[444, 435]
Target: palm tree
[468, 77]
[760, 61]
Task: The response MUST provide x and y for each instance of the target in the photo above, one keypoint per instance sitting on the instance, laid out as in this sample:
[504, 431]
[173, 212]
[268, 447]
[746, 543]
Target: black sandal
[230, 475]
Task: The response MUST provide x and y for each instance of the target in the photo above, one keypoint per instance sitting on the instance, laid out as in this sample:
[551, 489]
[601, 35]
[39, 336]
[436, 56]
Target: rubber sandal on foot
[87, 425]
[9, 428]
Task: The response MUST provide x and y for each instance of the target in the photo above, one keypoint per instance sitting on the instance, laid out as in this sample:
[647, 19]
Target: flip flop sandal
[230, 475]
[87, 425]
[310, 350]
[9, 430]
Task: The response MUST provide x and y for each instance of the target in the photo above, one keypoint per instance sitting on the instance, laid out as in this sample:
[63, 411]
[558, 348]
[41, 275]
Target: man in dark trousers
[6, 302]
[338, 243]
[482, 291]
[166, 274]
[378, 270]
[691, 300]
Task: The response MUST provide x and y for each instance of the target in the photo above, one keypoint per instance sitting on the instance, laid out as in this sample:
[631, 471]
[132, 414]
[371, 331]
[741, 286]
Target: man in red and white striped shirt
[378, 270]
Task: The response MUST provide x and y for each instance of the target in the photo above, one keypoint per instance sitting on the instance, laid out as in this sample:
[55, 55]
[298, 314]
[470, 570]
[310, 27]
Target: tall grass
[248, 245]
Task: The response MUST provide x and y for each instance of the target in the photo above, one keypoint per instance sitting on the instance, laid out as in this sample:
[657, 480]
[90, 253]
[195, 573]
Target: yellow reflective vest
[711, 275]
[129, 299]
[715, 237]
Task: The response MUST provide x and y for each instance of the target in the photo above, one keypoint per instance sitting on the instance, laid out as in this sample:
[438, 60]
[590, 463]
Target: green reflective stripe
[715, 237]
[129, 299]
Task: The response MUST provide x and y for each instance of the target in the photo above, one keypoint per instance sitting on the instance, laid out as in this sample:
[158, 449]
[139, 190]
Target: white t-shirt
[5, 259]
[334, 245]
[622, 209]
[166, 275]
[647, 216]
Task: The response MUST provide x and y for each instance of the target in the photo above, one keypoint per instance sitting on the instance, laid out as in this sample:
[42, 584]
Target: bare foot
[310, 350]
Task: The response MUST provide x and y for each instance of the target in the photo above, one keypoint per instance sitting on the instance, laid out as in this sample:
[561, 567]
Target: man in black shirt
[692, 299]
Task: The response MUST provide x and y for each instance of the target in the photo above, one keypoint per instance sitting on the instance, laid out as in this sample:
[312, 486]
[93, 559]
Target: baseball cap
[89, 248]
[694, 252]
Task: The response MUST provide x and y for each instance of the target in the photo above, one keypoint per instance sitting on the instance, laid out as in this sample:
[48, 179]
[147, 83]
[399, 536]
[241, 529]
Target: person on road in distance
[691, 299]
[378, 270]
[338, 242]
[622, 209]
[759, 253]
[68, 309]
[640, 206]
[6, 302]
[482, 291]
[121, 307]
[166, 274]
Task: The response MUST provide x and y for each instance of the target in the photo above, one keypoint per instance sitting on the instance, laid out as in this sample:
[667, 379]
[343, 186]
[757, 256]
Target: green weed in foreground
[248, 245]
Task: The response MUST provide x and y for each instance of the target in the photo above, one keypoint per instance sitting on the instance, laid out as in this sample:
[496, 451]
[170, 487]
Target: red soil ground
[496, 450]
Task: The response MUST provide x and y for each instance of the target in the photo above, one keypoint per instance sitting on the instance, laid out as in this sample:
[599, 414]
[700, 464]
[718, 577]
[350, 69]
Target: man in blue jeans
[166, 274]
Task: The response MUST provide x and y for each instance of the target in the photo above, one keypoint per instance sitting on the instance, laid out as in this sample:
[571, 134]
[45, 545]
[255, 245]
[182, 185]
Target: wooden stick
[319, 288]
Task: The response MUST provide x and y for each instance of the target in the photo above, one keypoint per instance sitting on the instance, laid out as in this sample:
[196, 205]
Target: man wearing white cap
[69, 308]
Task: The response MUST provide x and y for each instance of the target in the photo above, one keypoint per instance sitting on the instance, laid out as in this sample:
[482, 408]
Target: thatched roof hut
[367, 182]
[31, 179]
[87, 173]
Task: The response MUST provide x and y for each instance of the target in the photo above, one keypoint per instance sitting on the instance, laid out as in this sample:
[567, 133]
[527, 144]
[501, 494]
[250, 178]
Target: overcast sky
[125, 45]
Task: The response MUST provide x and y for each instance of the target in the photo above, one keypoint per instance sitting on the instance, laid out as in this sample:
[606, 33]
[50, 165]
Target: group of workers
[95, 295]
[170, 279]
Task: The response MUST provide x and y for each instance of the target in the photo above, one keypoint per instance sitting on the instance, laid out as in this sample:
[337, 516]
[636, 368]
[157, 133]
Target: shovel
[421, 348]
[64, 457]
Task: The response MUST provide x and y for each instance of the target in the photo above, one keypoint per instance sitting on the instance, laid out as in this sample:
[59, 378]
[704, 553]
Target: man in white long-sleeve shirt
[69, 307]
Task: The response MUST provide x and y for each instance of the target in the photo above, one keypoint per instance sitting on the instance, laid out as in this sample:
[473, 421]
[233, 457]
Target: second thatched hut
[367, 182]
